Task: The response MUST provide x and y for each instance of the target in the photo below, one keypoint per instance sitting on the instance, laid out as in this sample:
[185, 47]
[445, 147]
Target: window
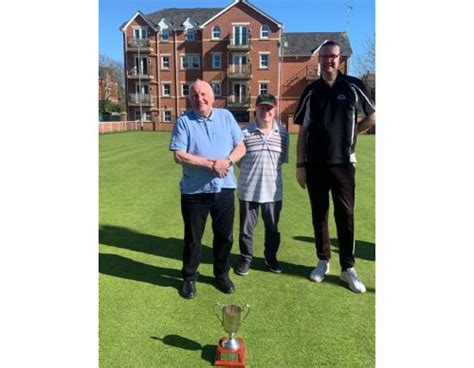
[144, 89]
[216, 87]
[146, 115]
[264, 60]
[216, 32]
[167, 116]
[166, 89]
[190, 62]
[216, 61]
[140, 33]
[190, 34]
[165, 35]
[165, 62]
[185, 89]
[141, 66]
[265, 31]
[263, 88]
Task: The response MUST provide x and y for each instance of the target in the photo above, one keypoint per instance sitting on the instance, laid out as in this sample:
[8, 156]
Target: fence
[118, 126]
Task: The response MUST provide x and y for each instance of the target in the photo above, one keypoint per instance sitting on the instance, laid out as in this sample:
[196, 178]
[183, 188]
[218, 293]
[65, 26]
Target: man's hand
[301, 176]
[221, 167]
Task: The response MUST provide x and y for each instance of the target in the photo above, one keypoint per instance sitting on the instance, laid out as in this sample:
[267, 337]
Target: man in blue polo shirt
[207, 142]
[331, 111]
[260, 183]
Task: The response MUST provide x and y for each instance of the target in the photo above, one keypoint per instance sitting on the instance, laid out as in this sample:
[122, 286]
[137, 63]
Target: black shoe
[243, 269]
[225, 285]
[273, 265]
[189, 289]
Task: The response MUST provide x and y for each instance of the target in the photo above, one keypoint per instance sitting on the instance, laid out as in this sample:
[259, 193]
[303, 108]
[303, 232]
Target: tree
[365, 63]
[112, 70]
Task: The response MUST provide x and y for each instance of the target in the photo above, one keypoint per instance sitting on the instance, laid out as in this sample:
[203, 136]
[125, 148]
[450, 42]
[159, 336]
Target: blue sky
[296, 16]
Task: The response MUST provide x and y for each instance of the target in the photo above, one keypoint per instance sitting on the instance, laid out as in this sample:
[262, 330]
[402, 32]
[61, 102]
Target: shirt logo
[341, 97]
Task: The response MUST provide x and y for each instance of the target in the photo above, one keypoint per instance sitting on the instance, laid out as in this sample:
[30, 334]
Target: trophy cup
[231, 351]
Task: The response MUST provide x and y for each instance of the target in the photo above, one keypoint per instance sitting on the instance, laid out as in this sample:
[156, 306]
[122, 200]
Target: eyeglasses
[329, 56]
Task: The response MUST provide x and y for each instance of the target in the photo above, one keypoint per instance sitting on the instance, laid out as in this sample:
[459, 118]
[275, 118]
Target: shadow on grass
[118, 266]
[207, 352]
[122, 237]
[363, 249]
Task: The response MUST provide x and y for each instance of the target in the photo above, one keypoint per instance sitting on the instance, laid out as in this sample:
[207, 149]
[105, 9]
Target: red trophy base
[231, 358]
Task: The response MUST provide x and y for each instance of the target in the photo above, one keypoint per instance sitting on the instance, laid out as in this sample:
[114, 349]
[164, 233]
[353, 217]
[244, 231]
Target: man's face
[266, 113]
[329, 59]
[202, 98]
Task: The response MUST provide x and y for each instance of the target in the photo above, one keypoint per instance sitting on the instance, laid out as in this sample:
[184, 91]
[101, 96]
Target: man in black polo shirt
[331, 111]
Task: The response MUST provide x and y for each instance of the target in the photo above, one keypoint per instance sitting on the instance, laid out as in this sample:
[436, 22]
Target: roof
[177, 16]
[305, 43]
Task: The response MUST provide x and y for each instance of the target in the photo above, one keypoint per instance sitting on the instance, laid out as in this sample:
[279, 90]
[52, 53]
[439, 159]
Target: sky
[307, 16]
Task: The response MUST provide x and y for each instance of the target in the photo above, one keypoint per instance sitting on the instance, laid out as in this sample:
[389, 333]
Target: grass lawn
[292, 322]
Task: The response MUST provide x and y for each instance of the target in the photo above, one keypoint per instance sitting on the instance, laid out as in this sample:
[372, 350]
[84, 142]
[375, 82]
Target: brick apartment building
[240, 50]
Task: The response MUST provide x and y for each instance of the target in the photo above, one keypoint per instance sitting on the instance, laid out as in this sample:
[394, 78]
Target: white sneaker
[317, 275]
[350, 276]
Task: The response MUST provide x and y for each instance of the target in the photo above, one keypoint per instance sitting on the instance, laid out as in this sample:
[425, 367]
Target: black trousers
[340, 181]
[195, 209]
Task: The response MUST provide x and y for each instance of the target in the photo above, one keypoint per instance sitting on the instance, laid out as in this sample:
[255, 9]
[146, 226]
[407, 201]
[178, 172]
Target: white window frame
[216, 29]
[267, 31]
[191, 58]
[182, 88]
[189, 32]
[216, 83]
[216, 54]
[147, 114]
[162, 63]
[260, 84]
[163, 84]
[163, 32]
[142, 89]
[164, 116]
[261, 55]
[142, 33]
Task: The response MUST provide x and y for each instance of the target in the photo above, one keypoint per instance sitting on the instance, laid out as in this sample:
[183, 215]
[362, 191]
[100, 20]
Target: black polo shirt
[330, 114]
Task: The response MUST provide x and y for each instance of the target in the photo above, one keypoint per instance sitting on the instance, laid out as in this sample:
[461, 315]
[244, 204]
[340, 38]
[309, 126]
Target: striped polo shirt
[260, 177]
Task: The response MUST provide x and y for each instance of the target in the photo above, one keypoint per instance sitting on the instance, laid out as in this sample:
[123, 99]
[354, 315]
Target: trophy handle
[217, 314]
[245, 307]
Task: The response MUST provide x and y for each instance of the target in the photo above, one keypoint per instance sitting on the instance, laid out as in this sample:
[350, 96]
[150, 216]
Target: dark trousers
[195, 209]
[340, 180]
[248, 221]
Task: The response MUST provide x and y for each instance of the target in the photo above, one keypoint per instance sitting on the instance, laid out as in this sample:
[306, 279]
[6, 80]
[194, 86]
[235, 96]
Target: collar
[255, 127]
[199, 117]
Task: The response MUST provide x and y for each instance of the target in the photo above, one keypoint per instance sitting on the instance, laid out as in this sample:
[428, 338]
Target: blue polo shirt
[214, 137]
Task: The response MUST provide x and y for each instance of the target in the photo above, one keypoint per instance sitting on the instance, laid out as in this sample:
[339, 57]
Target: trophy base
[231, 358]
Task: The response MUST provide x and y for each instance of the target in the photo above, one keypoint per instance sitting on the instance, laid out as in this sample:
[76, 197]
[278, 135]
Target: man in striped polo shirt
[260, 183]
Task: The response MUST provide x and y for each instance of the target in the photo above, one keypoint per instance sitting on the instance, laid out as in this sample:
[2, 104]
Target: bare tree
[113, 70]
[365, 62]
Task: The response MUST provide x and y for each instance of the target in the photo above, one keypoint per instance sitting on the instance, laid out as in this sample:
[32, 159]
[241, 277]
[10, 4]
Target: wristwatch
[231, 163]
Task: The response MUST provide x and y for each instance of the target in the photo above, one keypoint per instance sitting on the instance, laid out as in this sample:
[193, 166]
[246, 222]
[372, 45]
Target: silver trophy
[231, 320]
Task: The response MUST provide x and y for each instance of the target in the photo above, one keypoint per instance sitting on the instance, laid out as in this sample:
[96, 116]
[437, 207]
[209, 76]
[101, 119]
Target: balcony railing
[238, 101]
[239, 71]
[142, 44]
[142, 73]
[139, 98]
[239, 43]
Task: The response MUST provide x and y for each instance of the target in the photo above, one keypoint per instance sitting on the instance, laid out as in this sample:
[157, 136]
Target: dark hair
[331, 43]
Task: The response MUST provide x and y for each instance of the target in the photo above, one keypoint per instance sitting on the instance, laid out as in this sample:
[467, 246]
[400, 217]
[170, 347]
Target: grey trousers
[248, 221]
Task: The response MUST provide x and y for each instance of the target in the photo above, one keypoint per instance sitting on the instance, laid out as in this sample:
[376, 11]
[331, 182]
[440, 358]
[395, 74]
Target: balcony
[239, 44]
[312, 72]
[139, 45]
[238, 101]
[137, 99]
[239, 71]
[142, 74]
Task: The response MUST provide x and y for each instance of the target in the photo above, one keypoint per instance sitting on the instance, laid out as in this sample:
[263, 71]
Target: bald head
[201, 97]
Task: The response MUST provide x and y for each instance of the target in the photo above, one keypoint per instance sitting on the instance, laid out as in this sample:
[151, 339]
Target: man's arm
[186, 159]
[300, 157]
[365, 124]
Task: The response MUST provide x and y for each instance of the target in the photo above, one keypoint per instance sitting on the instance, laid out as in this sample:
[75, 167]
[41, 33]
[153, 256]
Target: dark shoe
[225, 285]
[243, 269]
[189, 289]
[273, 265]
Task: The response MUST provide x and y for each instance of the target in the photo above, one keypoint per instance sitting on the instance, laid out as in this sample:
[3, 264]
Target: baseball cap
[266, 99]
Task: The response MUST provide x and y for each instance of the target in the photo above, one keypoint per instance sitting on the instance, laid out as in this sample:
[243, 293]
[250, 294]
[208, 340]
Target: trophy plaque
[231, 351]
